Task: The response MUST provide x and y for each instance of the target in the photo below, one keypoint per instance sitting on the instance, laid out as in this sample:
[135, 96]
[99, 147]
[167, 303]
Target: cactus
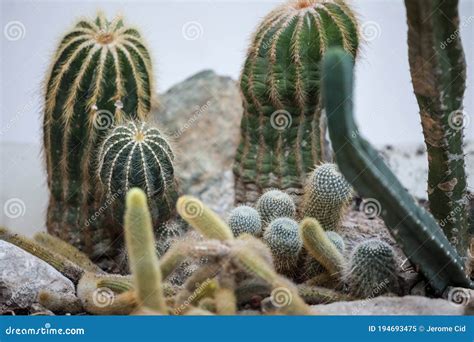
[312, 266]
[282, 129]
[244, 219]
[414, 229]
[438, 71]
[203, 219]
[321, 248]
[372, 269]
[327, 196]
[136, 154]
[285, 243]
[100, 74]
[274, 204]
[141, 252]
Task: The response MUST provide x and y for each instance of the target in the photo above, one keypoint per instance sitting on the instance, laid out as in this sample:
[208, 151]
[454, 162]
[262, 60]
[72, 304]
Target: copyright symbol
[421, 328]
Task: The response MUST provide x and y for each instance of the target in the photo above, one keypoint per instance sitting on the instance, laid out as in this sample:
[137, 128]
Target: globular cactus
[282, 128]
[245, 219]
[438, 71]
[283, 238]
[101, 74]
[419, 236]
[274, 204]
[327, 196]
[372, 269]
[312, 266]
[147, 277]
[136, 154]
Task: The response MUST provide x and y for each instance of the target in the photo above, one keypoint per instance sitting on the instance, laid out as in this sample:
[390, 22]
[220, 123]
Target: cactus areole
[282, 131]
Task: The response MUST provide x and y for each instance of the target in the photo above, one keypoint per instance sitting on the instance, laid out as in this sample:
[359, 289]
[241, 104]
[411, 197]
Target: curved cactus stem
[438, 72]
[414, 229]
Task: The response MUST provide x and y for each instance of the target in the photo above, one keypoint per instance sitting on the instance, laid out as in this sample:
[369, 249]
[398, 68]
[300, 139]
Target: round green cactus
[245, 219]
[274, 204]
[138, 155]
[282, 130]
[327, 196]
[100, 74]
[372, 269]
[282, 236]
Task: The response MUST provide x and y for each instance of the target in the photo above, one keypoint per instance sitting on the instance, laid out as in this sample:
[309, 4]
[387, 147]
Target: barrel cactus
[327, 196]
[101, 74]
[282, 131]
[274, 204]
[244, 219]
[136, 154]
[372, 269]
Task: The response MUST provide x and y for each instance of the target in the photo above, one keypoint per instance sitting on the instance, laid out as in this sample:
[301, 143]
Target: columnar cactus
[419, 236]
[100, 74]
[372, 269]
[282, 131]
[274, 204]
[327, 196]
[312, 266]
[283, 238]
[438, 71]
[244, 219]
[136, 154]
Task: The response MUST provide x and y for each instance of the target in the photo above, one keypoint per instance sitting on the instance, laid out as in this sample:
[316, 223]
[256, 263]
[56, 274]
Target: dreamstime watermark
[459, 296]
[370, 207]
[458, 119]
[26, 108]
[370, 30]
[190, 208]
[192, 30]
[281, 297]
[199, 289]
[14, 208]
[103, 119]
[281, 119]
[194, 118]
[103, 297]
[46, 330]
[444, 44]
[376, 291]
[103, 208]
[14, 30]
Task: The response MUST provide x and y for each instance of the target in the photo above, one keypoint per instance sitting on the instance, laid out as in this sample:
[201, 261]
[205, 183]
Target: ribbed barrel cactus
[136, 154]
[282, 130]
[101, 74]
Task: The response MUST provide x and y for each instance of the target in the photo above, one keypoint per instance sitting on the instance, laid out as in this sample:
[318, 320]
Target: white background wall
[386, 107]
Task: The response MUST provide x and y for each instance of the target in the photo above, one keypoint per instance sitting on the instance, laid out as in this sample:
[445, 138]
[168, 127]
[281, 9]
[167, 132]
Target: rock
[408, 305]
[23, 276]
[202, 115]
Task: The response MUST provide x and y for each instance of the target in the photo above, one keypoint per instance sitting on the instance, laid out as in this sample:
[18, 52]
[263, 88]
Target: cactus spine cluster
[419, 236]
[245, 219]
[372, 269]
[283, 238]
[438, 71]
[100, 74]
[327, 196]
[136, 154]
[282, 131]
[274, 204]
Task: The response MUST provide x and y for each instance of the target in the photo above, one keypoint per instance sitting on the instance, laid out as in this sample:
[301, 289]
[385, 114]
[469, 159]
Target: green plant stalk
[438, 72]
[141, 252]
[414, 229]
[321, 295]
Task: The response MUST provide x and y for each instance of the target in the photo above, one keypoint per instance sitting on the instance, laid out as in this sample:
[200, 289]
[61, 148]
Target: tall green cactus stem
[282, 131]
[438, 72]
[283, 238]
[136, 154]
[274, 204]
[141, 252]
[327, 196]
[245, 219]
[372, 269]
[414, 229]
[100, 75]
[318, 244]
[203, 219]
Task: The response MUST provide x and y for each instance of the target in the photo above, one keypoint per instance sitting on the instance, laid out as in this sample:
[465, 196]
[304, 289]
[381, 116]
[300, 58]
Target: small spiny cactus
[372, 269]
[312, 266]
[136, 154]
[245, 219]
[282, 128]
[101, 74]
[274, 204]
[327, 196]
[283, 238]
